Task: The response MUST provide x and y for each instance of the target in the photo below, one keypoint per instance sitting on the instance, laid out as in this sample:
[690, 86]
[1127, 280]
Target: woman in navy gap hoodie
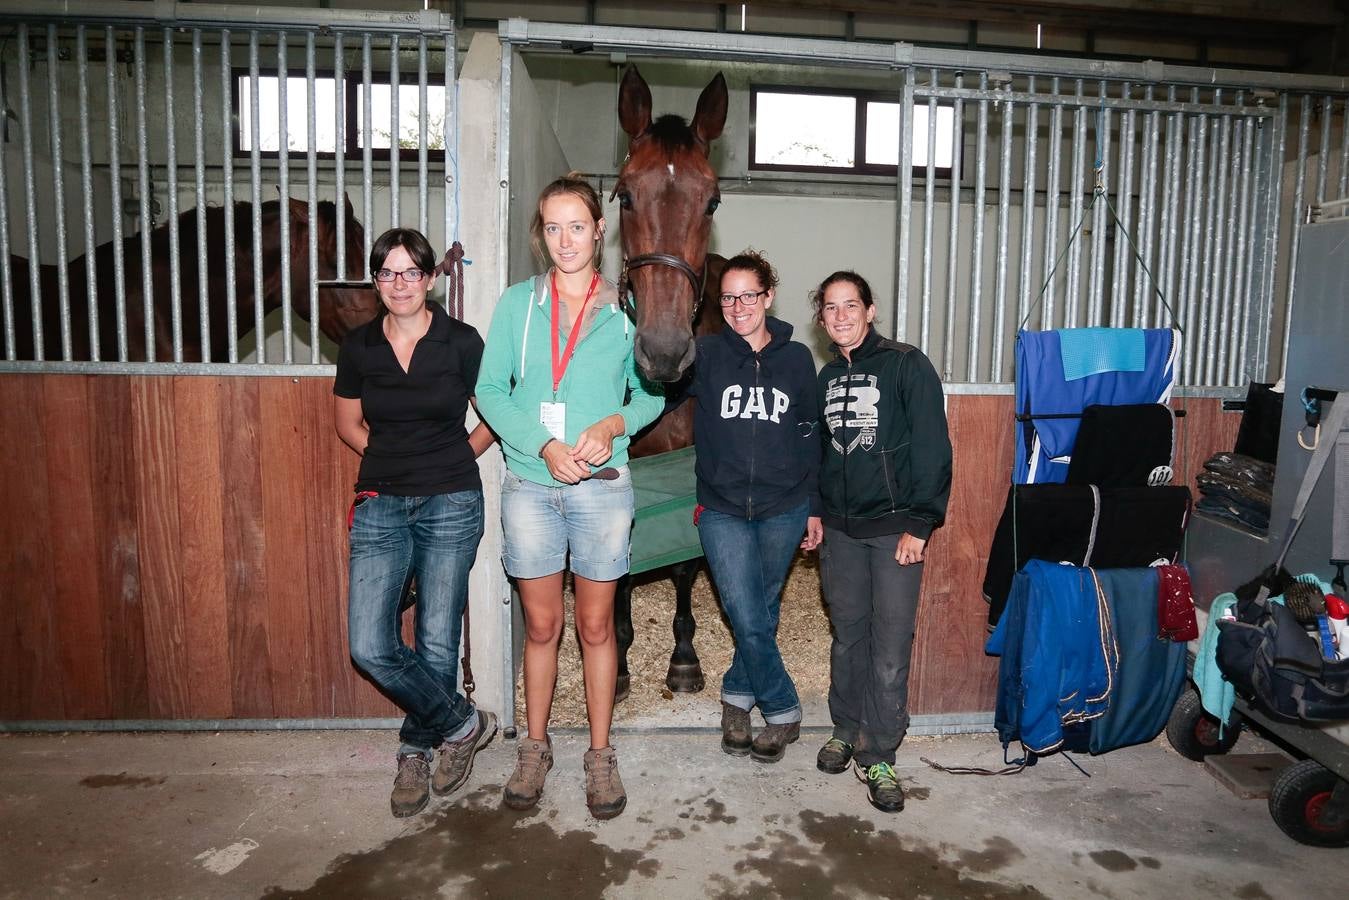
[758, 449]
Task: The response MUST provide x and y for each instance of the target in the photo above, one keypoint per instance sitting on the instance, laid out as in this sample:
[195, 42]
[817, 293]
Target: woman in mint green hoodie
[559, 387]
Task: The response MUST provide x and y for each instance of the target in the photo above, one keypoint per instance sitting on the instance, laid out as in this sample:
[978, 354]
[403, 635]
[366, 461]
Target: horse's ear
[299, 210]
[634, 103]
[711, 115]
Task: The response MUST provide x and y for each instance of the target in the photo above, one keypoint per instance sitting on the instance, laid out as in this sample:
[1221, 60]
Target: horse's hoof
[684, 678]
[622, 688]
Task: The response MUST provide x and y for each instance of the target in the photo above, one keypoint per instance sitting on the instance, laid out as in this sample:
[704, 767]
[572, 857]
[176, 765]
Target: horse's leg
[623, 633]
[686, 673]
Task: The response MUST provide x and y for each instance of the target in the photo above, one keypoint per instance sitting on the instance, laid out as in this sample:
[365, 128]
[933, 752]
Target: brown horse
[340, 309]
[667, 192]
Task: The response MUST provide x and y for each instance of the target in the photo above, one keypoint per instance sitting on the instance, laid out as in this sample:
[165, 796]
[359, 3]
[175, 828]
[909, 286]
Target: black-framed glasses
[410, 276]
[746, 298]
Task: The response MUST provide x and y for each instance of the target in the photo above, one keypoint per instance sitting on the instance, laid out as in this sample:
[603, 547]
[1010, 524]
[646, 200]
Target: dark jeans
[749, 559]
[436, 539]
[873, 602]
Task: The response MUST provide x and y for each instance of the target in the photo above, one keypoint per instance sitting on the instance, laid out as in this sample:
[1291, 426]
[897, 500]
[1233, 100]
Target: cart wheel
[1298, 801]
[1195, 734]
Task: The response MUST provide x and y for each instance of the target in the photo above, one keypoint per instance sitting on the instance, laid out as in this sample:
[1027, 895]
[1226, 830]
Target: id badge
[553, 416]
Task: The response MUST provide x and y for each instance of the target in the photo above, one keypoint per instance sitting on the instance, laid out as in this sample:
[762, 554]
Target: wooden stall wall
[174, 548]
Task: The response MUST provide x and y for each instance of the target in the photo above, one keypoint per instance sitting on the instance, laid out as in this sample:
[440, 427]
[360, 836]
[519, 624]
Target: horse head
[667, 192]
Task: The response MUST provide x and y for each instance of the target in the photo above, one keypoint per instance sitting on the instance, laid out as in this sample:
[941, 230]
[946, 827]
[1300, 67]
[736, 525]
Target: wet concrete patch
[484, 852]
[1113, 860]
[1150, 862]
[842, 856]
[998, 853]
[120, 780]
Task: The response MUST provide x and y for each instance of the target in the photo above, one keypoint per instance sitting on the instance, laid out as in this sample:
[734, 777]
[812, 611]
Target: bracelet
[545, 446]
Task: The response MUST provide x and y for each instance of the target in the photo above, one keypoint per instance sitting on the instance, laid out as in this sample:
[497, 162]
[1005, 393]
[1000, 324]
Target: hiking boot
[834, 757]
[534, 759]
[771, 743]
[456, 758]
[735, 729]
[604, 789]
[411, 787]
[883, 788]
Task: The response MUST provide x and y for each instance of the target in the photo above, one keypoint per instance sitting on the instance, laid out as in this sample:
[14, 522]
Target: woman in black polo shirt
[404, 382]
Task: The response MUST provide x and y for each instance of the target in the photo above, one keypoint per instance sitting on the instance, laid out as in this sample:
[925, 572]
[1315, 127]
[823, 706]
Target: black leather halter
[696, 279]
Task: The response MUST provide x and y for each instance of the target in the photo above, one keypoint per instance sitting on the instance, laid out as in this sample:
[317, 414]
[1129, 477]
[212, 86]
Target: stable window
[841, 131]
[326, 116]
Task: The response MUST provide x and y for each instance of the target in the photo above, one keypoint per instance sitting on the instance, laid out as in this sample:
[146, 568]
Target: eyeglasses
[748, 298]
[410, 276]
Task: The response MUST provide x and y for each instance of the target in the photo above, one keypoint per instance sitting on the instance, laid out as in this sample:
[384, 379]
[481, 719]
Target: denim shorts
[592, 520]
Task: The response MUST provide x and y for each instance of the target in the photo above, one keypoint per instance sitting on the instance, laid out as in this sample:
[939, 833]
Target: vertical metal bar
[147, 221]
[115, 173]
[1232, 159]
[953, 256]
[929, 199]
[1304, 130]
[199, 172]
[6, 275]
[312, 174]
[58, 204]
[1028, 176]
[1145, 269]
[1269, 205]
[1052, 186]
[395, 182]
[339, 153]
[1119, 282]
[1221, 218]
[171, 175]
[977, 215]
[1096, 307]
[504, 612]
[87, 192]
[451, 179]
[283, 182]
[1072, 297]
[255, 160]
[423, 112]
[1004, 217]
[1344, 152]
[367, 171]
[1171, 209]
[1212, 211]
[30, 191]
[1194, 207]
[905, 207]
[1323, 158]
[1240, 293]
[227, 173]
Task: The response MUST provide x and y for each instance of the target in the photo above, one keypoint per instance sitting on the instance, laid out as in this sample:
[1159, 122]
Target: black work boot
[735, 729]
[883, 788]
[834, 757]
[771, 743]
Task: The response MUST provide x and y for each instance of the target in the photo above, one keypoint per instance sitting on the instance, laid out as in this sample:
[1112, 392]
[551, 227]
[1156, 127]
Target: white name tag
[553, 416]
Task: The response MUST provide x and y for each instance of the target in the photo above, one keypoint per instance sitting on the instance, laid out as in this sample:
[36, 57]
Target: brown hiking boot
[456, 759]
[604, 789]
[771, 743]
[411, 788]
[534, 759]
[735, 729]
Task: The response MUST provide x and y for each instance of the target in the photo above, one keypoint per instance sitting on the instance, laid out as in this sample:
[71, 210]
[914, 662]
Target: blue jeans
[434, 539]
[543, 525]
[749, 559]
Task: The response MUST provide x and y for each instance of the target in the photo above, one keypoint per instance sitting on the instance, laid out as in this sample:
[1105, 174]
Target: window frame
[860, 167]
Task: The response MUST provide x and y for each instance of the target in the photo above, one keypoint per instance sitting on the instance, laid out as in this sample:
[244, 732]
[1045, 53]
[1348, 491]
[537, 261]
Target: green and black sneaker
[883, 788]
[834, 757]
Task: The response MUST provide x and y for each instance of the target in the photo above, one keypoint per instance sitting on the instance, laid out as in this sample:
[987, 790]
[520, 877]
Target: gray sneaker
[411, 787]
[535, 759]
[456, 759]
[604, 789]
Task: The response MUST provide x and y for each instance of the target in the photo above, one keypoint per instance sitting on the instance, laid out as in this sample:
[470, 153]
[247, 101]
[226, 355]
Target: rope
[1012, 767]
[452, 267]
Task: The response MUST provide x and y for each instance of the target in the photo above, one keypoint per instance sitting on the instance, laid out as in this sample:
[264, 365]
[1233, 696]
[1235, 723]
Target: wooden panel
[1203, 431]
[73, 591]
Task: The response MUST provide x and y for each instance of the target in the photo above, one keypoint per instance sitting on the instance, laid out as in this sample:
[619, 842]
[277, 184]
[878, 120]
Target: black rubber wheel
[1195, 734]
[1300, 795]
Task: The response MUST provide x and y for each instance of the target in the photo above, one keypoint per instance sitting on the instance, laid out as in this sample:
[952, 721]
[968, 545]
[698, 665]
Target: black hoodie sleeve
[920, 392]
[807, 403]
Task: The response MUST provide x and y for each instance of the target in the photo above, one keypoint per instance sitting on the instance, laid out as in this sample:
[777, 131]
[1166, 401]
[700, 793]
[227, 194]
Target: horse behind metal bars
[339, 309]
[667, 192]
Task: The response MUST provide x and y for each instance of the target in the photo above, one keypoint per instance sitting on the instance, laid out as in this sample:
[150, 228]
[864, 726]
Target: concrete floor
[305, 814]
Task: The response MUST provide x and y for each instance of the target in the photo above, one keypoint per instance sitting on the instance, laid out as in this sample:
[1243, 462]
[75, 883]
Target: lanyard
[560, 364]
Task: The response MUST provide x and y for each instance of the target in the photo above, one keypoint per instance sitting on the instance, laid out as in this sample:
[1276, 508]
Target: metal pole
[199, 170]
[1072, 299]
[1052, 187]
[423, 112]
[312, 174]
[1214, 268]
[1212, 207]
[6, 275]
[259, 331]
[1095, 313]
[977, 214]
[1323, 158]
[1028, 175]
[115, 173]
[1145, 285]
[367, 130]
[1194, 208]
[58, 186]
[30, 194]
[1344, 152]
[1241, 292]
[1265, 259]
[147, 223]
[953, 233]
[86, 183]
[451, 179]
[395, 182]
[339, 154]
[1304, 130]
[1004, 215]
[227, 174]
[1170, 218]
[929, 198]
[283, 183]
[1119, 281]
[904, 207]
[171, 176]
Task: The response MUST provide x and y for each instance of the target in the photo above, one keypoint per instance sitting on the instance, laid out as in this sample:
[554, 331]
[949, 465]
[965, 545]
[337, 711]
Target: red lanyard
[560, 364]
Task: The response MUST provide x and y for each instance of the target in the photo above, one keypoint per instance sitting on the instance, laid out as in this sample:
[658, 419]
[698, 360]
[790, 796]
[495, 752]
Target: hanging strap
[452, 267]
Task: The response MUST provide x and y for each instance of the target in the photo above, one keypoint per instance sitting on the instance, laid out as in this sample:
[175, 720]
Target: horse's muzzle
[664, 360]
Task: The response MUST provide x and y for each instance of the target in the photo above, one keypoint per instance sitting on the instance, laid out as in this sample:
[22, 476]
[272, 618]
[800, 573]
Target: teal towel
[1091, 351]
[1215, 692]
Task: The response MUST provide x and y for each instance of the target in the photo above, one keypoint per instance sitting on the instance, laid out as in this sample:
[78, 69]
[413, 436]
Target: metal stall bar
[1241, 290]
[283, 185]
[147, 222]
[1304, 131]
[395, 182]
[87, 178]
[1323, 158]
[450, 182]
[977, 214]
[1072, 300]
[30, 195]
[115, 172]
[312, 173]
[904, 211]
[1028, 174]
[1052, 188]
[423, 113]
[1212, 207]
[6, 276]
[1264, 260]
[953, 234]
[367, 132]
[1233, 130]
[1096, 298]
[227, 176]
[929, 198]
[1344, 151]
[339, 155]
[199, 172]
[1214, 267]
[58, 187]
[1004, 215]
[504, 611]
[1194, 185]
[1145, 289]
[1119, 266]
[255, 160]
[171, 176]
[1170, 218]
